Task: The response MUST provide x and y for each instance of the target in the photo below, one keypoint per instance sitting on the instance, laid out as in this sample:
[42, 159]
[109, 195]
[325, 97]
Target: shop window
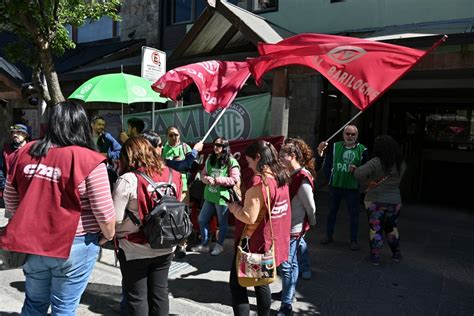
[451, 128]
[103, 28]
[336, 1]
[186, 11]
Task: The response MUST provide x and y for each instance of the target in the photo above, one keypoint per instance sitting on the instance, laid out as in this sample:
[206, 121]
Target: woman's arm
[364, 173]
[121, 196]
[305, 194]
[231, 180]
[248, 213]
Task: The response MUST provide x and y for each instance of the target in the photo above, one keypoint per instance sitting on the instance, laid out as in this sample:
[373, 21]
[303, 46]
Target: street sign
[153, 63]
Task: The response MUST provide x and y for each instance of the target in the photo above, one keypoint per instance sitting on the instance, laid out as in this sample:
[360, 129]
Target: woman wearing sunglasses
[220, 172]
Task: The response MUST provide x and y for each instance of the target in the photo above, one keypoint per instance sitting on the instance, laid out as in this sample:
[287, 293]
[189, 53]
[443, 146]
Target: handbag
[255, 269]
[12, 259]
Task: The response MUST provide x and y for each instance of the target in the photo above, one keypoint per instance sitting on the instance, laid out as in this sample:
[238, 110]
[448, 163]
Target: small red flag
[361, 69]
[218, 82]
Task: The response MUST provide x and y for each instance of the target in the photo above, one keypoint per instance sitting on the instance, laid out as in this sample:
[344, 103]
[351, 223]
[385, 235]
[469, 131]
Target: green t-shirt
[214, 193]
[177, 152]
[341, 177]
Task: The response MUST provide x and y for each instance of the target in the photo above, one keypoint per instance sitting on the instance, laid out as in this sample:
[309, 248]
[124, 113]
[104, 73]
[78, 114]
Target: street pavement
[434, 277]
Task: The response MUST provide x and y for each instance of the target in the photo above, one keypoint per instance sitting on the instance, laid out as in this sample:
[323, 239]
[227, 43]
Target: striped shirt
[96, 201]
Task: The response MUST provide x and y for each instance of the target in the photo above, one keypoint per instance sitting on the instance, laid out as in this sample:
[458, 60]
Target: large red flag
[361, 69]
[218, 82]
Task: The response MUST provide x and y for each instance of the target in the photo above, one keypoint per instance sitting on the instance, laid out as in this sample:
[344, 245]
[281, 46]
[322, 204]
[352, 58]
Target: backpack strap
[155, 185]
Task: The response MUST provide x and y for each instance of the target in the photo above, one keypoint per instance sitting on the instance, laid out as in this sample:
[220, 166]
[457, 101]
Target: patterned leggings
[383, 216]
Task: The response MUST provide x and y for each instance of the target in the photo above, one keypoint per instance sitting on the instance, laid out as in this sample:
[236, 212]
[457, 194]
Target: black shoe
[396, 256]
[355, 246]
[180, 252]
[285, 310]
[326, 240]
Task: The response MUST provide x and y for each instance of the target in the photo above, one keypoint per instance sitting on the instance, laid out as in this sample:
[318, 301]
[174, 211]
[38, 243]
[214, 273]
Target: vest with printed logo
[343, 157]
[49, 209]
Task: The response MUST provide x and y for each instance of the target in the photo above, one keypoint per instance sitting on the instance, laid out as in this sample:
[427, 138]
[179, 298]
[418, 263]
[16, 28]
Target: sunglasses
[173, 135]
[350, 134]
[218, 145]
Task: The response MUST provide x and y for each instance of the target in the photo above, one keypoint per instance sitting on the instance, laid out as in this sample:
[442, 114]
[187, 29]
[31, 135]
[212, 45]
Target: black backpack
[168, 223]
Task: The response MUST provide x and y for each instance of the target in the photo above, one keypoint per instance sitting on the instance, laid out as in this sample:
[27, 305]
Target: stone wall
[141, 19]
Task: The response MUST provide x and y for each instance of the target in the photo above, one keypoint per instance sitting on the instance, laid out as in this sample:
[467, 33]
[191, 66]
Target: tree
[41, 28]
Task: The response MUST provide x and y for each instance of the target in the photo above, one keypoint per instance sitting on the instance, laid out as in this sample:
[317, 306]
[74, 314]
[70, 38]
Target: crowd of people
[93, 188]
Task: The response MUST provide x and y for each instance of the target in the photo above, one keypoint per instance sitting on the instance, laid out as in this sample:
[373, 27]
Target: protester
[178, 165]
[303, 211]
[144, 270]
[383, 174]
[106, 143]
[174, 149]
[135, 127]
[221, 171]
[58, 191]
[339, 164]
[262, 158]
[306, 161]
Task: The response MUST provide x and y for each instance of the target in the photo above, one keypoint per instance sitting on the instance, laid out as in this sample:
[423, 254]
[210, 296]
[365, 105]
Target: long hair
[67, 125]
[138, 153]
[223, 160]
[268, 158]
[305, 156]
[388, 151]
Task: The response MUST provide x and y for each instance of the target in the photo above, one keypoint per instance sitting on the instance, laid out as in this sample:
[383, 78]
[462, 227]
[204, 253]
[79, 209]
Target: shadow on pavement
[102, 298]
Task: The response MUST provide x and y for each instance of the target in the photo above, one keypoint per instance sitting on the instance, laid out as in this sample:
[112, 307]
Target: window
[184, 11]
[335, 1]
[103, 28]
[257, 5]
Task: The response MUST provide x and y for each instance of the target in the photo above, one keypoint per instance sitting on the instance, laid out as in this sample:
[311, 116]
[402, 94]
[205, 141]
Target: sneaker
[285, 310]
[180, 251]
[326, 240]
[396, 256]
[374, 260]
[218, 249]
[355, 246]
[306, 275]
[200, 248]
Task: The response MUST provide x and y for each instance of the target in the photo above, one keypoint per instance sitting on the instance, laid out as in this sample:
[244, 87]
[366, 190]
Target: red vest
[295, 184]
[261, 241]
[46, 220]
[145, 195]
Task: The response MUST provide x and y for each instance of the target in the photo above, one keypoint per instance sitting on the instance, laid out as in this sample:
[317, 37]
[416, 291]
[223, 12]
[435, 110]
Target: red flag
[218, 82]
[361, 69]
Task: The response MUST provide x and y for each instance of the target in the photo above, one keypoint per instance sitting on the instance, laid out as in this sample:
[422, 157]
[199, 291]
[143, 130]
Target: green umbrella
[119, 88]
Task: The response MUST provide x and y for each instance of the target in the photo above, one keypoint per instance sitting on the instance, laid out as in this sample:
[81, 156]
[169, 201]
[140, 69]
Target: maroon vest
[46, 219]
[295, 184]
[146, 195]
[260, 241]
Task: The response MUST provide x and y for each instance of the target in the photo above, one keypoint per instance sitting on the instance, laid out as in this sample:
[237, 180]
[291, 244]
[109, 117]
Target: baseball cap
[19, 128]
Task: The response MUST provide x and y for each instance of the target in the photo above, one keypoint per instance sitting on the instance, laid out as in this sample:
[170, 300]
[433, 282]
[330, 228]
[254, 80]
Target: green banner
[246, 118]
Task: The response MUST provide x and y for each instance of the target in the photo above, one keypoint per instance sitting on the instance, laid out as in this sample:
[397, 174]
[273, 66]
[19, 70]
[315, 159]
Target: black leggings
[240, 299]
[145, 282]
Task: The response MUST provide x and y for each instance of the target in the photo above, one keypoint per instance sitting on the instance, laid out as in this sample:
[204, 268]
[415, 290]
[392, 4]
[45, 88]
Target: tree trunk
[49, 72]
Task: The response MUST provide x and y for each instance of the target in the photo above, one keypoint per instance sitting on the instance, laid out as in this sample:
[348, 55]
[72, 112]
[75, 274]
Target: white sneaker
[218, 249]
[200, 248]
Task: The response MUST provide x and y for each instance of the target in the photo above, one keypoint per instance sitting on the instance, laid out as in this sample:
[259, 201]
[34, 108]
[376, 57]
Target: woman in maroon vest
[262, 158]
[58, 192]
[144, 270]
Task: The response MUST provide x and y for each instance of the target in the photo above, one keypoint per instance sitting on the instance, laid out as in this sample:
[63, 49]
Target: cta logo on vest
[43, 172]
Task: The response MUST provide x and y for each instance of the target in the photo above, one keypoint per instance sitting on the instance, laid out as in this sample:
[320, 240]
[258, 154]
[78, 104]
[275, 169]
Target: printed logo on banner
[346, 54]
[235, 124]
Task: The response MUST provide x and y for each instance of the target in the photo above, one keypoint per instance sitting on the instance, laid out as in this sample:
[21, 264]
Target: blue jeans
[289, 273]
[303, 257]
[352, 200]
[207, 211]
[59, 282]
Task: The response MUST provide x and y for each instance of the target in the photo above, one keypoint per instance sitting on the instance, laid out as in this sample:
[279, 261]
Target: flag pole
[213, 125]
[153, 116]
[350, 121]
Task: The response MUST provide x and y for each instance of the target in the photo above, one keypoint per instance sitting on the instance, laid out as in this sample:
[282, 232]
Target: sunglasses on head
[350, 134]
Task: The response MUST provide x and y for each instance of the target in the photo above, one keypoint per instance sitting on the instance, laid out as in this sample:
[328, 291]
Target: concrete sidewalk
[435, 276]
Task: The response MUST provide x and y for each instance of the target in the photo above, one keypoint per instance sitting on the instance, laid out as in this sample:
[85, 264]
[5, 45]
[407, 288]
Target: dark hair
[95, 118]
[137, 123]
[67, 125]
[153, 137]
[269, 158]
[170, 128]
[306, 156]
[388, 151]
[137, 153]
[226, 154]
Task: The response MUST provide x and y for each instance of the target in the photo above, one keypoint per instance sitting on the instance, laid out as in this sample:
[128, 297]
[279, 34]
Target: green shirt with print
[214, 193]
[341, 177]
[177, 152]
